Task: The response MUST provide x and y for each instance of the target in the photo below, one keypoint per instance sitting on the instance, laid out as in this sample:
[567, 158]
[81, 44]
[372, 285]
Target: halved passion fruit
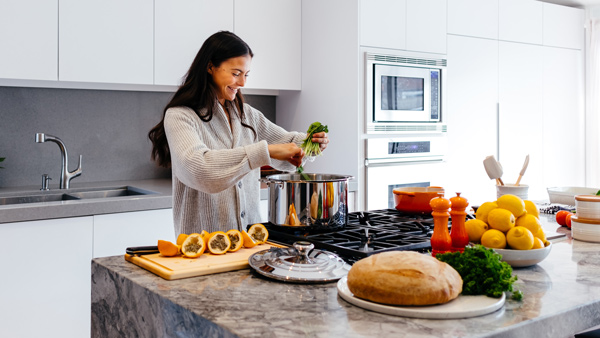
[167, 248]
[259, 233]
[237, 241]
[249, 242]
[218, 243]
[181, 238]
[193, 246]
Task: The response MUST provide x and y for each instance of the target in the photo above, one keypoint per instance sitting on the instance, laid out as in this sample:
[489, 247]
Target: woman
[215, 143]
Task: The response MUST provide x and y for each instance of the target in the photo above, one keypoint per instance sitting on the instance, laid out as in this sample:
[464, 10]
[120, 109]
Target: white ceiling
[575, 3]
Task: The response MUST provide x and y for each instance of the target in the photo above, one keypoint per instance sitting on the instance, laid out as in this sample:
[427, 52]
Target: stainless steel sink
[111, 192]
[35, 198]
[72, 194]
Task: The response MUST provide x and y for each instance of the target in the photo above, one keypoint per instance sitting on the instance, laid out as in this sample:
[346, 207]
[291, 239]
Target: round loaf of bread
[404, 278]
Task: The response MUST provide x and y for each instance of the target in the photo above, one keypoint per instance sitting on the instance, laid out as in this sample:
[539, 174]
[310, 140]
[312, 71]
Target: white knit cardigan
[216, 169]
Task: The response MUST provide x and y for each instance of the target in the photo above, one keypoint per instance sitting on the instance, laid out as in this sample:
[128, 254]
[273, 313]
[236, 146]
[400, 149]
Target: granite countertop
[561, 297]
[162, 199]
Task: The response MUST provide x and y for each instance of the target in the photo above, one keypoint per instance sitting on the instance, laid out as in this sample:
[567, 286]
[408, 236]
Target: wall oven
[402, 161]
[404, 93]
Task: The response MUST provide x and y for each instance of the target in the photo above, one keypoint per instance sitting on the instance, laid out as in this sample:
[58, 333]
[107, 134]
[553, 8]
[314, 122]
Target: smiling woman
[216, 144]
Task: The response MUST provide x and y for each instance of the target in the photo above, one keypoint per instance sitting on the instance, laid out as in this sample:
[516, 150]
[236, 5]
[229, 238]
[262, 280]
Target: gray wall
[109, 128]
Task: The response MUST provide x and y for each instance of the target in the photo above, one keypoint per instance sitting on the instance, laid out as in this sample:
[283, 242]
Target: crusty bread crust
[404, 278]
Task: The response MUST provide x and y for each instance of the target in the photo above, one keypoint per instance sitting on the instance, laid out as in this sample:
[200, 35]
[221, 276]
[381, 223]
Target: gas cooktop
[367, 233]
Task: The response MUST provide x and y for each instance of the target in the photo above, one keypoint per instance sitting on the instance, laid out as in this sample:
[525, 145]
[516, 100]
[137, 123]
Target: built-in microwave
[404, 93]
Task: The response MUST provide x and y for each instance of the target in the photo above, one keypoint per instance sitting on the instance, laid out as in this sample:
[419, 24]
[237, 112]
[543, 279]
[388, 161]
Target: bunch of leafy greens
[482, 272]
[310, 148]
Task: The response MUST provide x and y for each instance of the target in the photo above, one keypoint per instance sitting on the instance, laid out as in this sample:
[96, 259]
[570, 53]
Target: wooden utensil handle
[501, 183]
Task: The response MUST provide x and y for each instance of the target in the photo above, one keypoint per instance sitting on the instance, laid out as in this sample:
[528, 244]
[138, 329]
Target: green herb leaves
[2, 159]
[310, 148]
[482, 271]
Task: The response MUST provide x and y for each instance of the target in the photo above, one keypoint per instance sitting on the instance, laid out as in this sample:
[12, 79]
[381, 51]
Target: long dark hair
[198, 90]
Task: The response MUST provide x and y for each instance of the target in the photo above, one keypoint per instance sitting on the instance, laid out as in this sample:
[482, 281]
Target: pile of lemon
[509, 222]
[217, 243]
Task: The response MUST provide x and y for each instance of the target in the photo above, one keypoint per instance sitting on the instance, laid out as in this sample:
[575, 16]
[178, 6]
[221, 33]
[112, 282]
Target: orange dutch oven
[416, 199]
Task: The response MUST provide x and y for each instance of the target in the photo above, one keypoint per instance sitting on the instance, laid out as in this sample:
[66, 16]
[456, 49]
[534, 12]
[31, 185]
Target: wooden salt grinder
[458, 234]
[440, 240]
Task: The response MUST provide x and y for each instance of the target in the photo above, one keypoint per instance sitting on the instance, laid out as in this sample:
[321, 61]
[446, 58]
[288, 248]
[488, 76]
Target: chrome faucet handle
[45, 179]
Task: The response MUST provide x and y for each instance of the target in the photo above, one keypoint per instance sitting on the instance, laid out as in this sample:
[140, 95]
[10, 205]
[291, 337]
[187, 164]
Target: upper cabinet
[563, 26]
[140, 43]
[426, 26]
[477, 18]
[526, 21]
[382, 23]
[106, 41]
[415, 25]
[275, 40]
[179, 33]
[520, 21]
[29, 42]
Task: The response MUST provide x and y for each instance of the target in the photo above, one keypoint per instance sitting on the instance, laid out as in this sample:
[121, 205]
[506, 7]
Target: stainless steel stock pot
[313, 200]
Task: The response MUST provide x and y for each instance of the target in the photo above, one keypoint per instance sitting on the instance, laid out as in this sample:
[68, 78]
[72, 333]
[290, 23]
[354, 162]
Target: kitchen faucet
[65, 175]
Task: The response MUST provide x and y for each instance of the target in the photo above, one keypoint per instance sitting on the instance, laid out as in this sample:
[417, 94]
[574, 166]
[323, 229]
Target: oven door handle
[373, 162]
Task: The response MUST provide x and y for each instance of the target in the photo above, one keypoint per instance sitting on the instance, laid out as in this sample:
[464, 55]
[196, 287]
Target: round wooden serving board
[461, 307]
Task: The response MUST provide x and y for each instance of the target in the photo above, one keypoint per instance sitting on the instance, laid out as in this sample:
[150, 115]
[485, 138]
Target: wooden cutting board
[171, 268]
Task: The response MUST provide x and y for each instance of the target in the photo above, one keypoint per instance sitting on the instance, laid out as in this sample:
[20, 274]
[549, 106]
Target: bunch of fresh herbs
[482, 272]
[310, 148]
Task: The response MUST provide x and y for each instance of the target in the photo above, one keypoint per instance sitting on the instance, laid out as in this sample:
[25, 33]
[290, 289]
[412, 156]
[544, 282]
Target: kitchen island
[561, 297]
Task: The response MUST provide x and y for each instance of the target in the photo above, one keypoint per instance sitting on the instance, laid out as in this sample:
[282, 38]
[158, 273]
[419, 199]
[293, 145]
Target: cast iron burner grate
[367, 233]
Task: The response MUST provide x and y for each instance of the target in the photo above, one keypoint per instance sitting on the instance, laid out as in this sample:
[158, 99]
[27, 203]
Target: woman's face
[230, 76]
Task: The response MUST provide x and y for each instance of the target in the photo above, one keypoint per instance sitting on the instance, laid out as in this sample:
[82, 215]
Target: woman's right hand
[287, 152]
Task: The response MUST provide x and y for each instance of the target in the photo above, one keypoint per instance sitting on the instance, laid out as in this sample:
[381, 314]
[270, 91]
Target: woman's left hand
[322, 139]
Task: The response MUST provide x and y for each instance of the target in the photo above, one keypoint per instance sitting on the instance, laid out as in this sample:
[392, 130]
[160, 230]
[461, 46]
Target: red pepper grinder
[440, 240]
[458, 234]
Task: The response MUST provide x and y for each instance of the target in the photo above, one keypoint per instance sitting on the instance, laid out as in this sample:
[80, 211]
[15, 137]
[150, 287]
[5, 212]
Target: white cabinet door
[426, 26]
[520, 21]
[29, 39]
[473, 18]
[113, 233]
[520, 115]
[472, 91]
[564, 132]
[180, 28]
[46, 282]
[563, 26]
[383, 23]
[108, 41]
[272, 29]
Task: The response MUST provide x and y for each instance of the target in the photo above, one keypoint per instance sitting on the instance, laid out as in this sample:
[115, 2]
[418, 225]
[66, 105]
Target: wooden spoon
[523, 170]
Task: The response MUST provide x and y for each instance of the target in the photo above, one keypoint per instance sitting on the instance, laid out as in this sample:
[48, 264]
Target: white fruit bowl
[523, 258]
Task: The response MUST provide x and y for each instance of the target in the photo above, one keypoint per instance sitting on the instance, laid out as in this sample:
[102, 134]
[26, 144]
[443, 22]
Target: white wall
[330, 78]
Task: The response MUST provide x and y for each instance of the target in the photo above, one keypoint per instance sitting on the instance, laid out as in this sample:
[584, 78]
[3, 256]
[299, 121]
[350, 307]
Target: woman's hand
[322, 139]
[287, 152]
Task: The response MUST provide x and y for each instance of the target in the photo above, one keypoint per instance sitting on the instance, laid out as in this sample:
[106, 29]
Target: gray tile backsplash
[109, 128]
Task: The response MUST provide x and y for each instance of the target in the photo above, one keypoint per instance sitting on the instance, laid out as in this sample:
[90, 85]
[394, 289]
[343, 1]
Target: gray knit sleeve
[198, 158]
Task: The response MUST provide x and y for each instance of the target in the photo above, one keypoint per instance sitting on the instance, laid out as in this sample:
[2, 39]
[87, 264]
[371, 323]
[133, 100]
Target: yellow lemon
[501, 219]
[530, 222]
[511, 203]
[520, 238]
[537, 243]
[475, 229]
[541, 235]
[493, 239]
[484, 210]
[531, 208]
